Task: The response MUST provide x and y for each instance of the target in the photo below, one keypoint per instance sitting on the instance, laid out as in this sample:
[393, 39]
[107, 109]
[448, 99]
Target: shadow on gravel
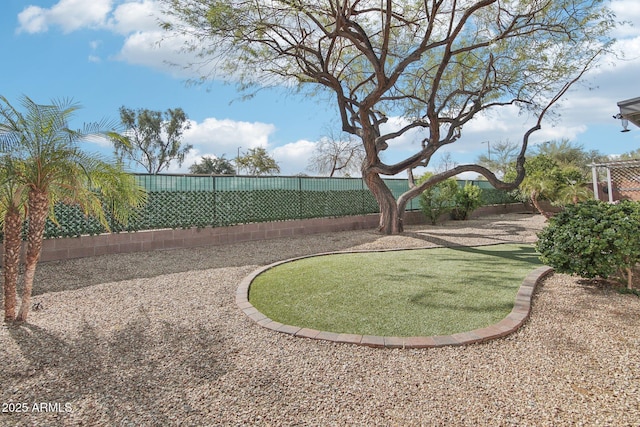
[133, 374]
[56, 276]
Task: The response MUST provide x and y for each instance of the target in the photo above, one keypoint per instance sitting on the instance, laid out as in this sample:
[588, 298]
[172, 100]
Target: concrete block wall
[141, 241]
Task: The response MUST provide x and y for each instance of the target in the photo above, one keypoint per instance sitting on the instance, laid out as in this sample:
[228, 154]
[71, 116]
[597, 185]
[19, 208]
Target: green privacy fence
[185, 201]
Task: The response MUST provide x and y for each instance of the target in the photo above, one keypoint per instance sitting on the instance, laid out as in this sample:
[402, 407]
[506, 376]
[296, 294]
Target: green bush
[467, 200]
[593, 239]
[438, 199]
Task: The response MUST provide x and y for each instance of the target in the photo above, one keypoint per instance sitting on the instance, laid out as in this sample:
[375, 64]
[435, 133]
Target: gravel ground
[156, 339]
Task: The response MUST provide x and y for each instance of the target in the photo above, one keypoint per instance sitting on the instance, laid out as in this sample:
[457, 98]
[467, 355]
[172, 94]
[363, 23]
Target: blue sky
[103, 54]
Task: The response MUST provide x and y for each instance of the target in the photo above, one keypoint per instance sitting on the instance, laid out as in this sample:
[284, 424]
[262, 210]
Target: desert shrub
[438, 199]
[593, 239]
[467, 200]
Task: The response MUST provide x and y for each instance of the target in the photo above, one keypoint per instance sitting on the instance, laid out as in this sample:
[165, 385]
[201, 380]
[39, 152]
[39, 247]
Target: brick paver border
[518, 316]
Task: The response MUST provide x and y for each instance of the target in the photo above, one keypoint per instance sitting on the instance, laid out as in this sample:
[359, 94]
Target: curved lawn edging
[511, 323]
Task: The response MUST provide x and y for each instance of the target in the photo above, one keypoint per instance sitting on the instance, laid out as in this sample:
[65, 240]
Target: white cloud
[134, 17]
[141, 48]
[226, 136]
[33, 19]
[154, 50]
[137, 21]
[70, 15]
[193, 156]
[293, 158]
[627, 11]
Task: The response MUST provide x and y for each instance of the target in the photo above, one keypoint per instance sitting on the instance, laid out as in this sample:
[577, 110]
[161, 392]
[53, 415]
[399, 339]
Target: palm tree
[12, 215]
[574, 192]
[541, 181]
[52, 168]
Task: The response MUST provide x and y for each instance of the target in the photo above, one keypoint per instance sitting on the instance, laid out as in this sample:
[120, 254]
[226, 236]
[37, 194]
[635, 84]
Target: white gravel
[156, 339]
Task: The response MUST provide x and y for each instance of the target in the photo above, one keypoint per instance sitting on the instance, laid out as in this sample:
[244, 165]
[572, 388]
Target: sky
[105, 54]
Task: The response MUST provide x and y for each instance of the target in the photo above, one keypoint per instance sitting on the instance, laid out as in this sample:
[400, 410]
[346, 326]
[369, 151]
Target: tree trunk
[38, 211]
[536, 204]
[391, 220]
[11, 261]
[629, 277]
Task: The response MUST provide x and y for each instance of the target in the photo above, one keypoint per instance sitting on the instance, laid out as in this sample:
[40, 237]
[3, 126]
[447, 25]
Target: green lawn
[420, 292]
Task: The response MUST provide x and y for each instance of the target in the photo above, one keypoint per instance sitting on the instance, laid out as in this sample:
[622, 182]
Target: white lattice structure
[622, 180]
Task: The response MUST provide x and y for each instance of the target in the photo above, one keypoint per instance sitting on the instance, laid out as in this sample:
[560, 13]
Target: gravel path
[156, 339]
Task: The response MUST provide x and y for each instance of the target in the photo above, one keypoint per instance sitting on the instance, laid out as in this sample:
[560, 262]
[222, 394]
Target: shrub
[438, 199]
[593, 239]
[467, 200]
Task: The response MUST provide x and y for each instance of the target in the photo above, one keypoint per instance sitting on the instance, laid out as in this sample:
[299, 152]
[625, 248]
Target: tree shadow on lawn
[525, 253]
[487, 278]
[432, 299]
[133, 374]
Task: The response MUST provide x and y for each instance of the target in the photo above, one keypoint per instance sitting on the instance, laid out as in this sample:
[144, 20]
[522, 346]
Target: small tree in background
[439, 199]
[593, 239]
[467, 200]
[152, 139]
[258, 162]
[569, 154]
[209, 165]
[337, 155]
[631, 155]
[503, 155]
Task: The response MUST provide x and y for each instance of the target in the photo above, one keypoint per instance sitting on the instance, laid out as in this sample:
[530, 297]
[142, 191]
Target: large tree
[42, 164]
[437, 64]
[152, 139]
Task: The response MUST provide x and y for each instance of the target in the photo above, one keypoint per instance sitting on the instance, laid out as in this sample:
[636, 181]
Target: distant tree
[631, 155]
[258, 162]
[337, 155]
[445, 163]
[152, 139]
[503, 154]
[567, 153]
[42, 160]
[433, 65]
[213, 166]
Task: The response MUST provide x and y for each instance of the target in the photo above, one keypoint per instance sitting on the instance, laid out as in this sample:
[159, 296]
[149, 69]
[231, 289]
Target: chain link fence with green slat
[185, 201]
